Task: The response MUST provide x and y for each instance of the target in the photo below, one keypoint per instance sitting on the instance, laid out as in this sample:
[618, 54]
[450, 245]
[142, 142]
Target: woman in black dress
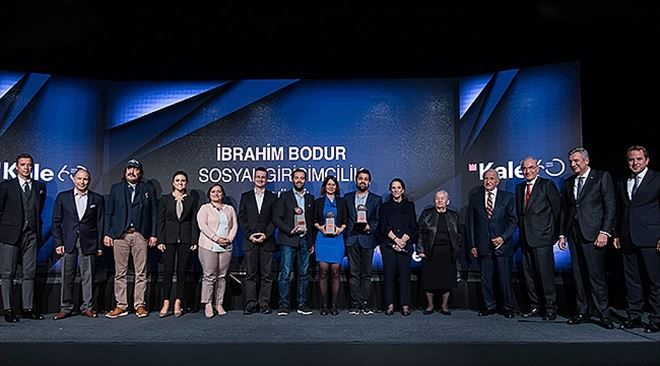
[440, 242]
[398, 229]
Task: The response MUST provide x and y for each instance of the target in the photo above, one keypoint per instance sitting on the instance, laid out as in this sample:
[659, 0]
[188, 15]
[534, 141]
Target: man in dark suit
[638, 232]
[361, 240]
[21, 204]
[255, 215]
[491, 222]
[78, 234]
[131, 216]
[586, 220]
[296, 241]
[537, 205]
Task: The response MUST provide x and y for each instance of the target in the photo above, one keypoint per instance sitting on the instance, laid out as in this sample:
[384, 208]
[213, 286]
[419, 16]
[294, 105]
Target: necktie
[635, 186]
[132, 190]
[489, 205]
[26, 189]
[528, 194]
[580, 185]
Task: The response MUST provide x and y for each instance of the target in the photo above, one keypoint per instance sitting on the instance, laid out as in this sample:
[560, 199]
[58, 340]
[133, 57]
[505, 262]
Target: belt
[131, 230]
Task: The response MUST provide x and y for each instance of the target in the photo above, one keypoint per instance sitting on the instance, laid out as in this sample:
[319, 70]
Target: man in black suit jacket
[586, 219]
[78, 234]
[21, 204]
[296, 241]
[537, 205]
[491, 222]
[638, 232]
[361, 241]
[255, 215]
[131, 216]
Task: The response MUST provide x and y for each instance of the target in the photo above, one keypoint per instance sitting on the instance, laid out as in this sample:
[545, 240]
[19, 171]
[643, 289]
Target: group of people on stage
[589, 211]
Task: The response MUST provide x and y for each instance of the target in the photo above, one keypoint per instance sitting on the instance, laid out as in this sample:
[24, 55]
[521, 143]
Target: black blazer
[171, 229]
[428, 228]
[638, 221]
[400, 218]
[67, 227]
[11, 209]
[373, 218]
[116, 210]
[595, 208]
[254, 222]
[342, 211]
[481, 229]
[284, 215]
[539, 221]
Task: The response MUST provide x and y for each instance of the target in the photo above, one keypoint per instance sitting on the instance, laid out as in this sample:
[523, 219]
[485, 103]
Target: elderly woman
[218, 226]
[177, 235]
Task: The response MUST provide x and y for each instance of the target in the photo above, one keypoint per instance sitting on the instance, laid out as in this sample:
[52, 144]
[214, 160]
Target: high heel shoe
[333, 310]
[324, 310]
[405, 311]
[390, 310]
[428, 311]
[177, 308]
[221, 311]
[164, 310]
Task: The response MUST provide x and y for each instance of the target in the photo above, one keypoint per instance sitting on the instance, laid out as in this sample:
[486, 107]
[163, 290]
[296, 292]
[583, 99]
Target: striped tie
[489, 205]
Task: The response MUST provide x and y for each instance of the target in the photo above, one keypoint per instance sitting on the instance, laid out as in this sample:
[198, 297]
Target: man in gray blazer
[537, 205]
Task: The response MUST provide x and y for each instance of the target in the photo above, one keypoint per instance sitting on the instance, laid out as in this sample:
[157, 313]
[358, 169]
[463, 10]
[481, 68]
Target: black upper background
[614, 40]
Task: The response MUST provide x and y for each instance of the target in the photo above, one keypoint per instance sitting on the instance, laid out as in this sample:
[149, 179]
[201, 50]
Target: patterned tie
[489, 205]
[635, 186]
[528, 194]
[580, 185]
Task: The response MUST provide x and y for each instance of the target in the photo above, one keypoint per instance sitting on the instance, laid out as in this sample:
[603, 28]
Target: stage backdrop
[433, 133]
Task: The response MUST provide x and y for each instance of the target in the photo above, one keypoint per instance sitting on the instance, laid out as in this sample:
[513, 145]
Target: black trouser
[539, 271]
[258, 271]
[490, 265]
[396, 264]
[588, 264]
[360, 262]
[180, 252]
[638, 260]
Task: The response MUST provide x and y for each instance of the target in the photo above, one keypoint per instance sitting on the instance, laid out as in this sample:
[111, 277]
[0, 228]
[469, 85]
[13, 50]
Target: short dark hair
[638, 148]
[364, 171]
[297, 170]
[179, 172]
[326, 180]
[208, 193]
[261, 169]
[24, 156]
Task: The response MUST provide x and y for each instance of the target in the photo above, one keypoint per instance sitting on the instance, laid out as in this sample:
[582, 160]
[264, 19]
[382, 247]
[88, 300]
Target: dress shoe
[208, 311]
[141, 311]
[534, 312]
[445, 312]
[550, 316]
[250, 309]
[221, 311]
[606, 323]
[89, 313]
[29, 314]
[631, 323]
[405, 311]
[61, 315]
[177, 308]
[487, 312]
[324, 310]
[509, 314]
[578, 319]
[10, 316]
[116, 313]
[333, 310]
[427, 311]
[266, 310]
[389, 311]
[652, 328]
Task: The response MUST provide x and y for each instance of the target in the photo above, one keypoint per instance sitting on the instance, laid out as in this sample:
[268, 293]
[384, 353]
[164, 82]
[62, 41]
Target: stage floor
[462, 338]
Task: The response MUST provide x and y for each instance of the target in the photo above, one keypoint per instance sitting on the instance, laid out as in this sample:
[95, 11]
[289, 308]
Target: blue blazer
[480, 229]
[116, 210]
[67, 227]
[353, 236]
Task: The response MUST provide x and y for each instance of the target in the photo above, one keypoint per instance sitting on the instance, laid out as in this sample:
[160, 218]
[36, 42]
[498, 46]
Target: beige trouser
[215, 267]
[130, 244]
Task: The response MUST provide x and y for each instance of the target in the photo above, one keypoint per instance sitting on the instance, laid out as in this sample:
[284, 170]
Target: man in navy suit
[78, 234]
[491, 222]
[296, 241]
[537, 205]
[255, 215]
[131, 216]
[360, 240]
[21, 204]
[638, 233]
[586, 219]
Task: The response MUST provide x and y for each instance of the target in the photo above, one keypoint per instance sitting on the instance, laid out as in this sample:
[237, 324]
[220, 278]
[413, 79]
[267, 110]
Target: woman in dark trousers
[398, 230]
[177, 237]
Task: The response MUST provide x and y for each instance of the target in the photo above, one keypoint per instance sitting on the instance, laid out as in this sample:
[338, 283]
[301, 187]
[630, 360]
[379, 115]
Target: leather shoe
[427, 311]
[61, 315]
[10, 316]
[509, 314]
[266, 310]
[405, 311]
[606, 323]
[389, 311]
[631, 323]
[445, 312]
[29, 314]
[324, 310]
[89, 313]
[333, 310]
[550, 316]
[534, 312]
[578, 319]
[487, 312]
[250, 309]
[652, 328]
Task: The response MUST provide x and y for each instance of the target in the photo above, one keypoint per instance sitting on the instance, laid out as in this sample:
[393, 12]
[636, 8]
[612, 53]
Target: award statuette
[299, 219]
[330, 227]
[361, 219]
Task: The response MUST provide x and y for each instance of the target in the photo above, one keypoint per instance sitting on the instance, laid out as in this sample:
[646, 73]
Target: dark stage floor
[462, 338]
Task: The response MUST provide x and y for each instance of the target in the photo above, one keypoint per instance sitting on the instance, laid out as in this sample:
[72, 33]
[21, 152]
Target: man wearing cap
[130, 218]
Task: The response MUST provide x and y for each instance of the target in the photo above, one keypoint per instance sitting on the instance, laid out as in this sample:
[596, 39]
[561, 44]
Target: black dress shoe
[10, 316]
[509, 314]
[389, 312]
[534, 312]
[250, 309]
[333, 310]
[427, 311]
[652, 328]
[578, 319]
[631, 323]
[487, 312]
[405, 312]
[606, 323]
[29, 314]
[550, 316]
[324, 310]
[266, 310]
[445, 312]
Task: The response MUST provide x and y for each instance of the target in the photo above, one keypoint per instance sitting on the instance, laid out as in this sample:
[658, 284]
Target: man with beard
[131, 216]
[363, 217]
[294, 217]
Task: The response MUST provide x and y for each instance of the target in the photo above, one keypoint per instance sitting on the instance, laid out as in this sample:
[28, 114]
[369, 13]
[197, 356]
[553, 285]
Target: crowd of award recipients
[589, 213]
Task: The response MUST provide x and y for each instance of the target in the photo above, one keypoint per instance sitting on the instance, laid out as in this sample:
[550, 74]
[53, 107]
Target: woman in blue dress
[329, 246]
